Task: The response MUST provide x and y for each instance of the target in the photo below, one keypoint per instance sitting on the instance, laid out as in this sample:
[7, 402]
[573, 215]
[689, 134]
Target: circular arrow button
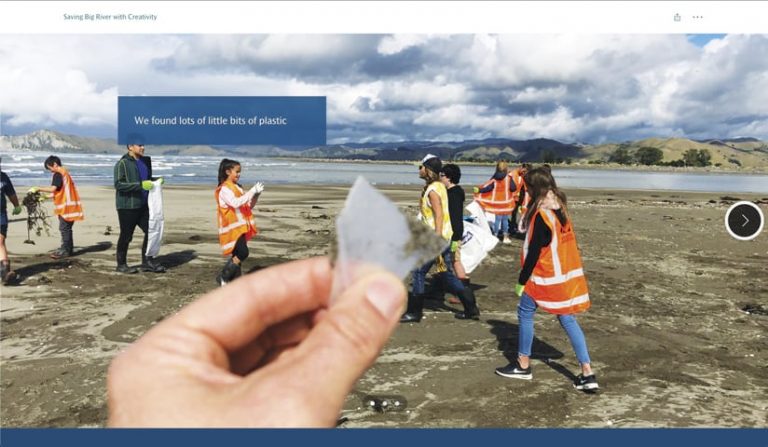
[744, 220]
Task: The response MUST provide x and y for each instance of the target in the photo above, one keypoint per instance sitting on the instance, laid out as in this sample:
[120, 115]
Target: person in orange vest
[235, 217]
[496, 196]
[519, 196]
[66, 204]
[552, 277]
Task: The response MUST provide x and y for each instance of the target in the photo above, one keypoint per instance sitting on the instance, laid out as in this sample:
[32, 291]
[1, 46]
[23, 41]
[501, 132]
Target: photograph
[497, 230]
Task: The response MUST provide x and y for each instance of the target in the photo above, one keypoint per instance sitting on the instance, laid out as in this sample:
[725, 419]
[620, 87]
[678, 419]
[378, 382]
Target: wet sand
[668, 334]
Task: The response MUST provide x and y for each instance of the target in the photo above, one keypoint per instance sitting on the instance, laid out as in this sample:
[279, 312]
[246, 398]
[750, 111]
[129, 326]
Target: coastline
[584, 166]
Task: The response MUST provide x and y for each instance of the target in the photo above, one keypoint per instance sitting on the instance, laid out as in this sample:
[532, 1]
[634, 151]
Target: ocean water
[26, 169]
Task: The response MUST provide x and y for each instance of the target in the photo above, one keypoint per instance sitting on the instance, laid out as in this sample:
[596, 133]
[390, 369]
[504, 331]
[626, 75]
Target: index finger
[237, 313]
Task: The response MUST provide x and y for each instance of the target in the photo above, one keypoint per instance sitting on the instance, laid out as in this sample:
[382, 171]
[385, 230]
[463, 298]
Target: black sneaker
[410, 317]
[514, 371]
[150, 265]
[586, 383]
[124, 268]
[59, 254]
[467, 315]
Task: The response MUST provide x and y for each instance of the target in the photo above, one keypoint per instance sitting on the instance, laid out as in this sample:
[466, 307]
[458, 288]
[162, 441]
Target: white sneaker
[507, 240]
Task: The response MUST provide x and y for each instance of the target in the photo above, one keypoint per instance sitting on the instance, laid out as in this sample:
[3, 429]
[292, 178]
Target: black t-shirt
[541, 237]
[6, 189]
[456, 198]
[58, 181]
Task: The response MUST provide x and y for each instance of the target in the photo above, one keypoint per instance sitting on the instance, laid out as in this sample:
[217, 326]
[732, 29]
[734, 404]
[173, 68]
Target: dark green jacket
[128, 192]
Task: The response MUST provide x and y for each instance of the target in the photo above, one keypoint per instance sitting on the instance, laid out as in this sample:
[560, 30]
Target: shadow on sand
[176, 259]
[507, 336]
[95, 248]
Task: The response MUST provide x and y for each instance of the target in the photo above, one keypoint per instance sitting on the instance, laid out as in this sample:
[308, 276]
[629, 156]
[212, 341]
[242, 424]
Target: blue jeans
[501, 224]
[525, 311]
[452, 283]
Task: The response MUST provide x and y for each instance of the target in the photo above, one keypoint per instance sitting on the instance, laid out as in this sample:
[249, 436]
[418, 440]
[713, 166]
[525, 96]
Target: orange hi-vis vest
[66, 200]
[233, 222]
[517, 179]
[526, 202]
[558, 284]
[498, 200]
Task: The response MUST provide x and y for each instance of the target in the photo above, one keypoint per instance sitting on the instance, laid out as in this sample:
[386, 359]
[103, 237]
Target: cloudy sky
[574, 88]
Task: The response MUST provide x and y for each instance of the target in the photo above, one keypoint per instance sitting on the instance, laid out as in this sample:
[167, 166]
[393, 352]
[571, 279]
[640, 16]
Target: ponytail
[225, 165]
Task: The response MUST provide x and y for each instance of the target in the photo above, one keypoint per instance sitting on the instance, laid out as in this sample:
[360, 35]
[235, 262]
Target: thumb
[349, 337]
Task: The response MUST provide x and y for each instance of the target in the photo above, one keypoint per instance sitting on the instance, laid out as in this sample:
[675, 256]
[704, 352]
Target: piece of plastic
[371, 231]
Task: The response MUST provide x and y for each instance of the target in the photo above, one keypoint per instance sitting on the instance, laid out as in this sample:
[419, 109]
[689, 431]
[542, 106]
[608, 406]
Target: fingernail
[384, 294]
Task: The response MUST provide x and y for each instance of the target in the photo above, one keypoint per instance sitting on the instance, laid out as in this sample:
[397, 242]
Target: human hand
[265, 350]
[17, 210]
[146, 185]
[258, 187]
[33, 190]
[454, 246]
[519, 289]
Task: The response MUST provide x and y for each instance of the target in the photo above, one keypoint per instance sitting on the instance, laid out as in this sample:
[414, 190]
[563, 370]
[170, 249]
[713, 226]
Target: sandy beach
[668, 333]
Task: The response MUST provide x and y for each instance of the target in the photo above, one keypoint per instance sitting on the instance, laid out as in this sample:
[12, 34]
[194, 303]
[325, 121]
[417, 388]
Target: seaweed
[37, 217]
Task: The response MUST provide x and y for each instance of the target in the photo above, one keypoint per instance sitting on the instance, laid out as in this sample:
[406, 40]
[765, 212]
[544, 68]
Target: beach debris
[371, 231]
[383, 404]
[756, 309]
[37, 216]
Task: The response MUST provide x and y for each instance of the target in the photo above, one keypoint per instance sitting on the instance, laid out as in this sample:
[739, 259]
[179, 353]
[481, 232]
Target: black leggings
[241, 248]
[129, 220]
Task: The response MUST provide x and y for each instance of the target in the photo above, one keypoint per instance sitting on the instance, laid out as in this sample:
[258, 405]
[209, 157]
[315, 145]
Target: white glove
[258, 187]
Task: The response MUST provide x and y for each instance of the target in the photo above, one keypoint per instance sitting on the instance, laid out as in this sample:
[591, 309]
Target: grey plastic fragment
[371, 230]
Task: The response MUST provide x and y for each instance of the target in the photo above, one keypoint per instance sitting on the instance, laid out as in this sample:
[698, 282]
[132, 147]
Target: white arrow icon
[748, 227]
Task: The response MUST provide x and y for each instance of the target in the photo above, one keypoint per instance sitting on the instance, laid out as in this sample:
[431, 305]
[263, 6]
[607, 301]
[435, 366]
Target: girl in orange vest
[552, 277]
[66, 204]
[235, 217]
[496, 196]
[519, 197]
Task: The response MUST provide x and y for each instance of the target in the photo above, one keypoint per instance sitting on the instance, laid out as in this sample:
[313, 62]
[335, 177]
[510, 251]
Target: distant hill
[736, 153]
[470, 150]
[733, 153]
[52, 141]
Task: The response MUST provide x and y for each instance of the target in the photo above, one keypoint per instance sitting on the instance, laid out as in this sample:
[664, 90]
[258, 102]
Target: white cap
[427, 157]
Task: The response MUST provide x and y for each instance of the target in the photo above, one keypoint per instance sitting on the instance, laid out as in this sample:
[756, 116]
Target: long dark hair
[538, 183]
[225, 165]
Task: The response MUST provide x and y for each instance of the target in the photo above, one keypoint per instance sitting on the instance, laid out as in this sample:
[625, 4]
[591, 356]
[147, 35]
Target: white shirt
[227, 197]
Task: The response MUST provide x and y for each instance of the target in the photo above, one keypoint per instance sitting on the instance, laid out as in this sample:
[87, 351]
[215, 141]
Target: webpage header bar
[377, 17]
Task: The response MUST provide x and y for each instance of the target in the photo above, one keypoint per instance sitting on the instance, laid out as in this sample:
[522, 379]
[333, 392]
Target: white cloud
[398, 42]
[400, 87]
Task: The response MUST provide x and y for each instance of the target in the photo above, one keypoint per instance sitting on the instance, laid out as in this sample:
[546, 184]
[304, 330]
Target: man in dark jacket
[133, 180]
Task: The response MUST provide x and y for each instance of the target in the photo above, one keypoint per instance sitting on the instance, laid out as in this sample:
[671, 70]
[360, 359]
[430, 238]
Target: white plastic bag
[156, 220]
[477, 239]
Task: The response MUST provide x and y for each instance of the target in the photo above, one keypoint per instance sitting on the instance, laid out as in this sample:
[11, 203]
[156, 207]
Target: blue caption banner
[384, 437]
[222, 120]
